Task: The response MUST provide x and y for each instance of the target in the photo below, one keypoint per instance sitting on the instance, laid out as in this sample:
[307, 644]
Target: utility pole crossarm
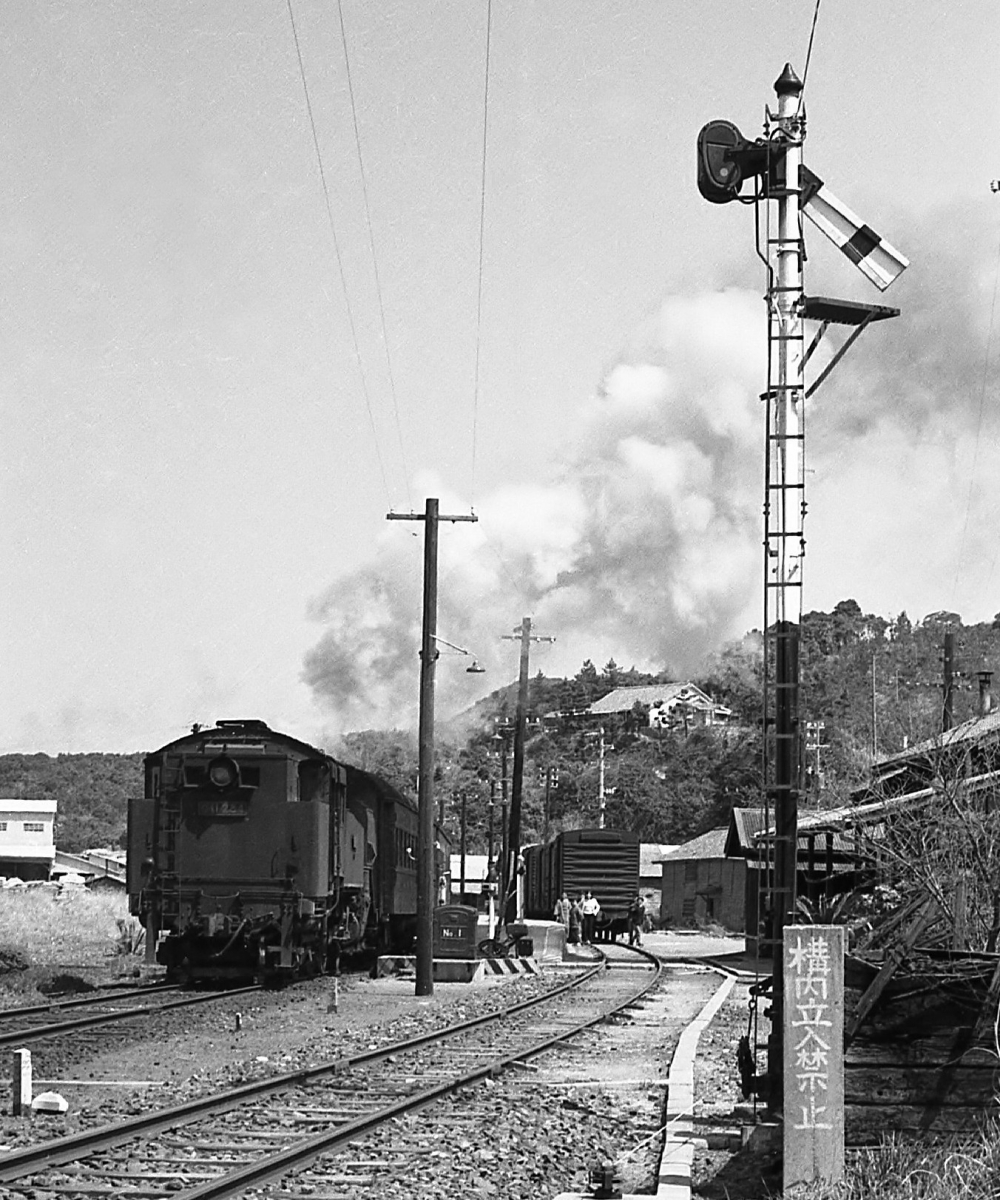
[415, 516]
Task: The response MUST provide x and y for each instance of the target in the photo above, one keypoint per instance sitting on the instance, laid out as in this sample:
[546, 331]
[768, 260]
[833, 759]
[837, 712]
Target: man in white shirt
[591, 909]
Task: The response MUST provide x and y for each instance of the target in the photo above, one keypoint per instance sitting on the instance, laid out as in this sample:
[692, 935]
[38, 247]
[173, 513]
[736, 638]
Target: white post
[814, 1055]
[21, 1083]
[600, 789]
[785, 540]
[790, 494]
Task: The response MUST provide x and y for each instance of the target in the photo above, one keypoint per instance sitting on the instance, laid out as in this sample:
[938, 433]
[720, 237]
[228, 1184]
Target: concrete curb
[674, 1176]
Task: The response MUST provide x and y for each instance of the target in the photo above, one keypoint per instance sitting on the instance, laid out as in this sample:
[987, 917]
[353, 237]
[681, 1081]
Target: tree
[946, 845]
[390, 753]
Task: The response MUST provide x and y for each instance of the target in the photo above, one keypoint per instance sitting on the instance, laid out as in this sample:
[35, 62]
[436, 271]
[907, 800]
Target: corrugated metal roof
[969, 731]
[748, 825]
[744, 825]
[707, 845]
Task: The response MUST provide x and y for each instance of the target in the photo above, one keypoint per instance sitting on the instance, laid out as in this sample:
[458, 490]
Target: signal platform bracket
[839, 312]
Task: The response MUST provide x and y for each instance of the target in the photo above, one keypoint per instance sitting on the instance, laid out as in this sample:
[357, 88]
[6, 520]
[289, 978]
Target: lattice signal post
[774, 162]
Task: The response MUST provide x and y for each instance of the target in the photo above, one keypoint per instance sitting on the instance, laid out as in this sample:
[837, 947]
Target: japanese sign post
[813, 967]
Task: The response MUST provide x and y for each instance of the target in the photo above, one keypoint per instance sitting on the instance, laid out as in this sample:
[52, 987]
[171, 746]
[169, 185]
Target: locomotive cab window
[314, 781]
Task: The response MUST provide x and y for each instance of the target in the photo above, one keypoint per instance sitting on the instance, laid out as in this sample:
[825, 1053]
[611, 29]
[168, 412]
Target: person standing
[562, 910]
[591, 909]
[636, 920]
[575, 922]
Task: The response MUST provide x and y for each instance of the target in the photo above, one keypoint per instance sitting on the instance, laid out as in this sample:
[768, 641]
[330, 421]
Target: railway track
[285, 1132]
[32, 1023]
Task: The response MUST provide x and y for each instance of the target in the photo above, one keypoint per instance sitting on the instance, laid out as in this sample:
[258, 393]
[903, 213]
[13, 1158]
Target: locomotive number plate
[223, 808]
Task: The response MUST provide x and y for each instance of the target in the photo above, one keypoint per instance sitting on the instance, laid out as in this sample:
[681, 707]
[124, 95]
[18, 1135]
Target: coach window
[314, 781]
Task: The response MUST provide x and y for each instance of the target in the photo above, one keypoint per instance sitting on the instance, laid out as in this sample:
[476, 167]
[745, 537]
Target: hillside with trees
[91, 791]
[872, 683]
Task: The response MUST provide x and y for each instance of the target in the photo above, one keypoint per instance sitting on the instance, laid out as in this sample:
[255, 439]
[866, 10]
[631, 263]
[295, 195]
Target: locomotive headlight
[223, 773]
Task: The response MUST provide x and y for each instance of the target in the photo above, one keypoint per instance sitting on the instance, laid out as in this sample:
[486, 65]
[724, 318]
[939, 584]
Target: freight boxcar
[602, 861]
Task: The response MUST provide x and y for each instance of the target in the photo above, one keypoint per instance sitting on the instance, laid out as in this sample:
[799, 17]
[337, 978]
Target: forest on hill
[870, 684]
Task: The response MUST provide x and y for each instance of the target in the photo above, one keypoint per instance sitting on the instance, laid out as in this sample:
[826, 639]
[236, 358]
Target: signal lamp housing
[725, 159]
[223, 773]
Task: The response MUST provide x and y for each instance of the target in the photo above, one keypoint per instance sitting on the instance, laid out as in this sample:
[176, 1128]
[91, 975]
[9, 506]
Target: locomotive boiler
[253, 855]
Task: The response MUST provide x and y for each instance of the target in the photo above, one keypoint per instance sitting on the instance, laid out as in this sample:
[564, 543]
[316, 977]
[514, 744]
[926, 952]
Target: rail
[338, 1095]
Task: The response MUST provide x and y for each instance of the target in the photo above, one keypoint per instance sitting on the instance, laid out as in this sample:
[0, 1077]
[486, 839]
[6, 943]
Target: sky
[231, 347]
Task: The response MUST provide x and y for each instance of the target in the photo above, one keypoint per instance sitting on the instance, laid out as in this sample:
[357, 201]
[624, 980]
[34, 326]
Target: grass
[960, 1168]
[907, 1170]
[43, 929]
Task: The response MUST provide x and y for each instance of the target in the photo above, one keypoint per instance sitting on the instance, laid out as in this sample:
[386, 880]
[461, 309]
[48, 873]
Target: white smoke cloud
[642, 547]
[645, 545]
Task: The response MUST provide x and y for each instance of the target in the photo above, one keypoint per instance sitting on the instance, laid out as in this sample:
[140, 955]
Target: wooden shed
[701, 886]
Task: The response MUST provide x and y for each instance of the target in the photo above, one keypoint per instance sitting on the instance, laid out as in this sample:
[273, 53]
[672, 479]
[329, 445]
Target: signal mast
[774, 162]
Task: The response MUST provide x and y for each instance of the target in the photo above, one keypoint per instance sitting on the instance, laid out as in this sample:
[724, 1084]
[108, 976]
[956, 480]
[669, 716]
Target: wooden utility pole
[461, 844]
[514, 835]
[948, 708]
[547, 815]
[874, 715]
[425, 748]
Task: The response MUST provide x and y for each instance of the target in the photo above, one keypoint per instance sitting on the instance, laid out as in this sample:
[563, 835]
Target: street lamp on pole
[431, 518]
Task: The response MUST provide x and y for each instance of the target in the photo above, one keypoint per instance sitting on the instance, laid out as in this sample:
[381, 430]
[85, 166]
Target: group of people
[580, 918]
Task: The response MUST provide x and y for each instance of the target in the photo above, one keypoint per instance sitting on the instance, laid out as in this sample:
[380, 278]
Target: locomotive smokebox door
[455, 931]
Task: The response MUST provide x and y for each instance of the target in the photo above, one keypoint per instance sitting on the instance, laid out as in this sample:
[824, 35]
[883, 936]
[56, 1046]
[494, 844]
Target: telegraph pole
[425, 745]
[948, 708]
[514, 836]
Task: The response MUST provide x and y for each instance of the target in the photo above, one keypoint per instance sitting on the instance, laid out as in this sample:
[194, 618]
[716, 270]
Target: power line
[336, 248]
[812, 34]
[371, 244]
[979, 429]
[482, 227]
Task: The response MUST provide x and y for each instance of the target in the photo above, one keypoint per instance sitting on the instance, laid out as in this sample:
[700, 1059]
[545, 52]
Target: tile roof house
[670, 705]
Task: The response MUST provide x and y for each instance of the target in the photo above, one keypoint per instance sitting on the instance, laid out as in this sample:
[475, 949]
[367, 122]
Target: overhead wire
[371, 245]
[979, 430]
[809, 50]
[337, 254]
[482, 229]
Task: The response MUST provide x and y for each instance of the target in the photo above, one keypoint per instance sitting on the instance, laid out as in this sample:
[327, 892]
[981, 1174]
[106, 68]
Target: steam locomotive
[253, 855]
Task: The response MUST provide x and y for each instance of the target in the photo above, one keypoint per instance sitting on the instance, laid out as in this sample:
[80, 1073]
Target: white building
[27, 838]
[671, 705]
